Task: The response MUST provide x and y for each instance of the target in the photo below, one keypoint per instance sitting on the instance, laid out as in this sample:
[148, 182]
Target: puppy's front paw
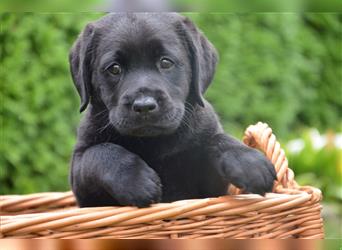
[249, 170]
[140, 188]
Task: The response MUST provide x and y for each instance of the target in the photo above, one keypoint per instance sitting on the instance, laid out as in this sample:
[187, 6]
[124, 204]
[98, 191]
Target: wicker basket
[290, 211]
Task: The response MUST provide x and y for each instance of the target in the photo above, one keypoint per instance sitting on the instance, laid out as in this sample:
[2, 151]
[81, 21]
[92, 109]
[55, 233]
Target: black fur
[177, 150]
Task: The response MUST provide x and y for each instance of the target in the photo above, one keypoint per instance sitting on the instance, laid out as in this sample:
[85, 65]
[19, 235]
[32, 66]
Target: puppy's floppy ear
[203, 58]
[80, 58]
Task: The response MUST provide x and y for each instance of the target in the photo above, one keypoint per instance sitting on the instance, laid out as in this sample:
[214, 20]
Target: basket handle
[260, 136]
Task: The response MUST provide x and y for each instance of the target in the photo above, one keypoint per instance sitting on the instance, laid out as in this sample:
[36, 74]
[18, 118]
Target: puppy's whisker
[186, 122]
[100, 130]
[101, 113]
[189, 106]
[189, 113]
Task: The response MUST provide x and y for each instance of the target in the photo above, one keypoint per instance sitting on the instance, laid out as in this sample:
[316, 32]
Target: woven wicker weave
[290, 211]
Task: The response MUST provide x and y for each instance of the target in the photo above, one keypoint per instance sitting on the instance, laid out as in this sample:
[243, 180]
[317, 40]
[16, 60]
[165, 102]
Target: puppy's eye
[115, 69]
[166, 63]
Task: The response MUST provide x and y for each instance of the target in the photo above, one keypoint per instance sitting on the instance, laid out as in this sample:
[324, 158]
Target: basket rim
[10, 204]
[95, 217]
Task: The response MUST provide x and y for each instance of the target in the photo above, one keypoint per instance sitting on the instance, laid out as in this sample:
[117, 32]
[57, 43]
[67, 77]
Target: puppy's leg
[245, 167]
[114, 176]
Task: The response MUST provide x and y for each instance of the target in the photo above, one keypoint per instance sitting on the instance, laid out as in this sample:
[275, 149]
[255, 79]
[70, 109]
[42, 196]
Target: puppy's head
[144, 69]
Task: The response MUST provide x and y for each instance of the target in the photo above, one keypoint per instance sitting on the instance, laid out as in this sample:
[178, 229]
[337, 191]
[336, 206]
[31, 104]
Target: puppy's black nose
[144, 105]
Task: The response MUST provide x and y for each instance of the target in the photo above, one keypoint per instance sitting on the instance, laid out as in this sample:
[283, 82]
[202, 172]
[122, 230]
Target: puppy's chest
[178, 167]
[165, 159]
[172, 163]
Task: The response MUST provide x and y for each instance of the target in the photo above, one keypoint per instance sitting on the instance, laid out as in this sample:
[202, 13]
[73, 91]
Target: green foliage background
[38, 102]
[284, 69]
[279, 68]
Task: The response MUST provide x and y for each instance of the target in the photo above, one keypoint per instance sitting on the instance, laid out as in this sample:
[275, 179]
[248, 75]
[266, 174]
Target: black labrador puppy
[148, 134]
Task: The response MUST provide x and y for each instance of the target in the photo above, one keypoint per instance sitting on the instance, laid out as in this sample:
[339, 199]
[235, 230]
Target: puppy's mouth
[148, 130]
[143, 126]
